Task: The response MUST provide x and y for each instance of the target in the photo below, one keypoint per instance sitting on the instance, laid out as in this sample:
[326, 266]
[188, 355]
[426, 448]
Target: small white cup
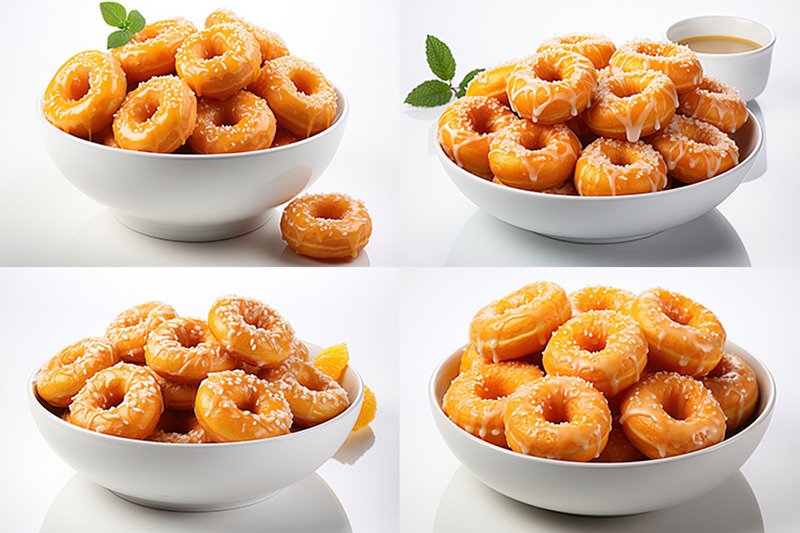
[747, 71]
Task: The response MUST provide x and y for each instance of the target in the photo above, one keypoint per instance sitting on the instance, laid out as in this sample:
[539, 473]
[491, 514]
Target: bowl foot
[195, 232]
[600, 241]
[194, 507]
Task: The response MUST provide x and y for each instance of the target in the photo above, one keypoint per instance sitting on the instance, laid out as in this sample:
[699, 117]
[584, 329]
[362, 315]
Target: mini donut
[219, 60]
[520, 323]
[183, 350]
[599, 298]
[466, 129]
[694, 150]
[668, 414]
[476, 399]
[84, 93]
[326, 226]
[532, 156]
[676, 61]
[558, 417]
[270, 44]
[60, 379]
[122, 400]
[242, 122]
[631, 105]
[236, 406]
[151, 52]
[606, 348]
[612, 167]
[302, 98]
[551, 86]
[618, 448]
[128, 332]
[683, 335]
[178, 427]
[492, 82]
[596, 48]
[715, 102]
[733, 383]
[158, 116]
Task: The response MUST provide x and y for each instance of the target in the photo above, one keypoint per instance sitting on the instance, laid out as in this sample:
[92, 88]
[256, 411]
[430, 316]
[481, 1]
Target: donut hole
[144, 108]
[330, 211]
[247, 404]
[592, 343]
[548, 73]
[210, 48]
[481, 120]
[675, 406]
[493, 387]
[624, 90]
[113, 397]
[620, 158]
[531, 141]
[78, 85]
[304, 82]
[555, 412]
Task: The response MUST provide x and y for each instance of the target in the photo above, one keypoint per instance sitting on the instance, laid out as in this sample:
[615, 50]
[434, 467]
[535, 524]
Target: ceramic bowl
[608, 218]
[602, 489]
[193, 197]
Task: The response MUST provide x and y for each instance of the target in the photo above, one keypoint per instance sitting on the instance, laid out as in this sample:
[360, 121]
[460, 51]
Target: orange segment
[332, 360]
[368, 409]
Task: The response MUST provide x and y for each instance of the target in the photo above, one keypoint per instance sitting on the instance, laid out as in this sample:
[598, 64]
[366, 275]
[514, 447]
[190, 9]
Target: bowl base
[611, 240]
[194, 507]
[193, 233]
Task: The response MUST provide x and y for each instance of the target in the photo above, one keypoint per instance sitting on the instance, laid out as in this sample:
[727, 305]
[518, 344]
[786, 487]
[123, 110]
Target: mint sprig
[128, 23]
[432, 93]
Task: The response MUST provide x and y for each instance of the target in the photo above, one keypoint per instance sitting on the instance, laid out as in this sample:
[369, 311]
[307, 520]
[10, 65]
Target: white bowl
[197, 477]
[193, 197]
[602, 489]
[607, 218]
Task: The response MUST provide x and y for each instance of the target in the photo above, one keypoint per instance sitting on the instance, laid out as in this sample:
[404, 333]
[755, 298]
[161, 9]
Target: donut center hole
[481, 121]
[190, 340]
[547, 73]
[113, 397]
[227, 118]
[677, 315]
[213, 48]
[620, 158]
[555, 412]
[531, 142]
[624, 90]
[329, 211]
[145, 108]
[593, 343]
[248, 404]
[651, 52]
[304, 83]
[493, 388]
[675, 406]
[78, 85]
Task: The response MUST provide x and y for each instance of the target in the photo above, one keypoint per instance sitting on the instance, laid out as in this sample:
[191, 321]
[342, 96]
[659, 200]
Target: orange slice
[368, 409]
[332, 360]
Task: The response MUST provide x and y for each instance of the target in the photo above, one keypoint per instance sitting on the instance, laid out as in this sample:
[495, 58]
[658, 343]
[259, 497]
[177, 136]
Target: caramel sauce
[719, 44]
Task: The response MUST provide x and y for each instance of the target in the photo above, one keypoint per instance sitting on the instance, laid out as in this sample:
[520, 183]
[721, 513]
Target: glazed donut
[128, 332]
[179, 427]
[65, 374]
[694, 150]
[551, 86]
[158, 116]
[611, 167]
[676, 61]
[492, 82]
[236, 406]
[106, 137]
[715, 102]
[243, 122]
[596, 48]
[219, 60]
[520, 323]
[558, 417]
[84, 94]
[606, 348]
[472, 358]
[599, 298]
[683, 335]
[177, 396]
[270, 44]
[631, 105]
[466, 129]
[303, 100]
[579, 127]
[618, 448]
[326, 226]
[668, 414]
[184, 350]
[284, 137]
[733, 383]
[122, 400]
[476, 399]
[532, 156]
[151, 52]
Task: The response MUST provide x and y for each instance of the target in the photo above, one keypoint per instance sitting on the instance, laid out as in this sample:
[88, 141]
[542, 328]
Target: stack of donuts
[582, 116]
[600, 374]
[230, 87]
[242, 374]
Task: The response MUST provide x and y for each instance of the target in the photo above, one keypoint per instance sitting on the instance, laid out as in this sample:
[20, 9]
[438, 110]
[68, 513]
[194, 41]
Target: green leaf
[135, 21]
[429, 93]
[113, 13]
[119, 38]
[440, 59]
[462, 87]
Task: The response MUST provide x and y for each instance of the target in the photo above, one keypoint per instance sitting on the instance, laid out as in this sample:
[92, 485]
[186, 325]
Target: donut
[106, 137]
[84, 93]
[532, 156]
[151, 52]
[715, 102]
[178, 427]
[618, 448]
[605, 348]
[270, 44]
[612, 167]
[128, 332]
[520, 323]
[492, 82]
[466, 129]
[476, 399]
[326, 226]
[303, 100]
[177, 396]
[579, 127]
[551, 86]
[472, 358]
[558, 417]
[676, 61]
[122, 400]
[235, 406]
[65, 374]
[667, 414]
[631, 105]
[599, 298]
[243, 122]
[158, 116]
[694, 150]
[596, 48]
[565, 188]
[683, 335]
[284, 137]
[733, 383]
[219, 60]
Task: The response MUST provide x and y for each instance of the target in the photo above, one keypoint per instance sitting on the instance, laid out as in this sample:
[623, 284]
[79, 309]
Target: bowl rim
[761, 49]
[650, 463]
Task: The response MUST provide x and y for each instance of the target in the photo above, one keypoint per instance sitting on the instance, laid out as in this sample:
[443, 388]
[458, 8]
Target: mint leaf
[430, 93]
[119, 38]
[462, 87]
[113, 13]
[440, 59]
[135, 21]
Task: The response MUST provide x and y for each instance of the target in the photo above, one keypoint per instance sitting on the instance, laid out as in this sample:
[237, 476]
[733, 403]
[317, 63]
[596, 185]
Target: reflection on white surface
[706, 241]
[355, 446]
[469, 505]
[82, 506]
[760, 164]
